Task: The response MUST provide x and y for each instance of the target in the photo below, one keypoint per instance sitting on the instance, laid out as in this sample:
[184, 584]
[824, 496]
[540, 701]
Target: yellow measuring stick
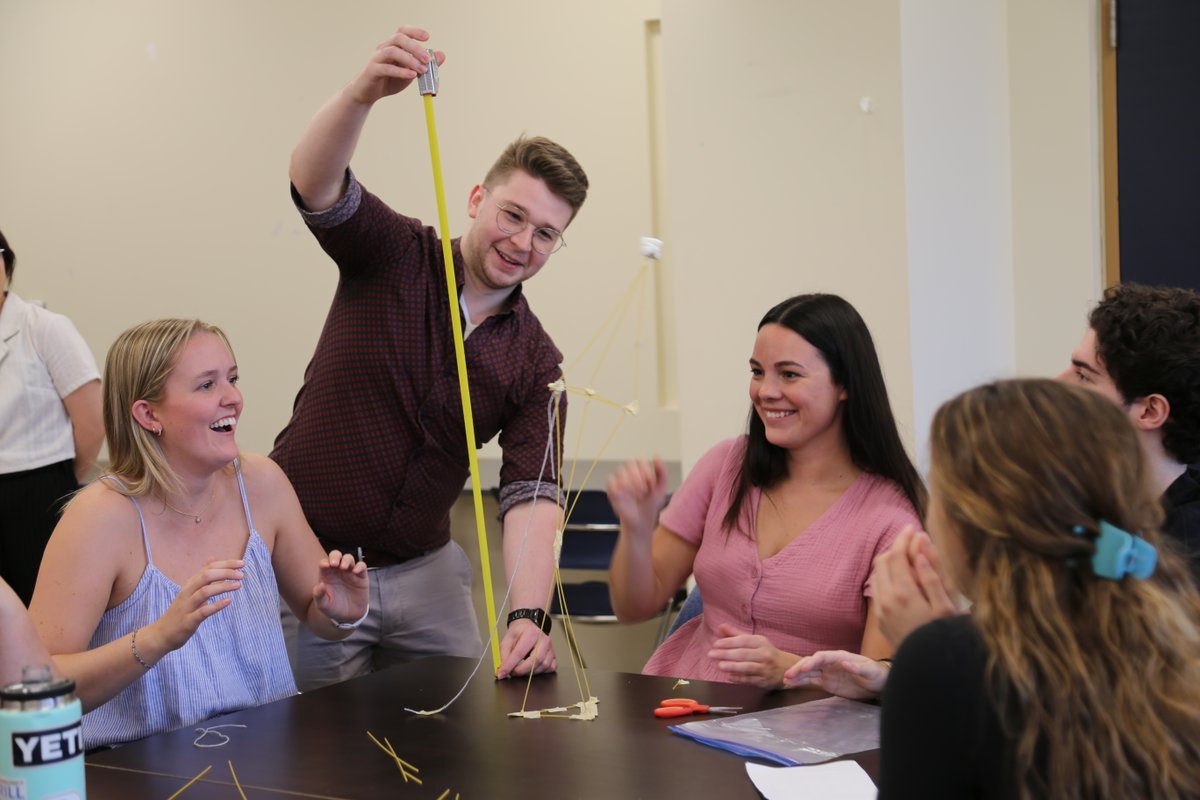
[461, 358]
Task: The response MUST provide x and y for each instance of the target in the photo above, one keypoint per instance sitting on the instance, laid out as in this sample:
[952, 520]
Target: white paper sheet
[836, 780]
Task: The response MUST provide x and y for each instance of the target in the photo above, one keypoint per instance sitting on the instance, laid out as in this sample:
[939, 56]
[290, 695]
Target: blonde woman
[159, 592]
[1077, 674]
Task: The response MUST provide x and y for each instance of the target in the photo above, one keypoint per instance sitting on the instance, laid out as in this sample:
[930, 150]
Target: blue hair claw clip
[1120, 553]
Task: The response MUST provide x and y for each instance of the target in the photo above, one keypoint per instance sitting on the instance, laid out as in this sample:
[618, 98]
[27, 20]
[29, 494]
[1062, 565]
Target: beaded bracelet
[136, 654]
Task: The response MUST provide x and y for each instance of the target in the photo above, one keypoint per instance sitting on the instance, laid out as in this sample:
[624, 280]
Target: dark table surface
[316, 745]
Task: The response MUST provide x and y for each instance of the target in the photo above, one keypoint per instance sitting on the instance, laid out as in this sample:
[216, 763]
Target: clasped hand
[750, 658]
[910, 586]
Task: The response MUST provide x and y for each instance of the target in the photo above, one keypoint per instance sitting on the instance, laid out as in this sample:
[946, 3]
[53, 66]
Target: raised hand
[839, 672]
[636, 492]
[191, 606]
[750, 658]
[909, 586]
[395, 64]
[341, 590]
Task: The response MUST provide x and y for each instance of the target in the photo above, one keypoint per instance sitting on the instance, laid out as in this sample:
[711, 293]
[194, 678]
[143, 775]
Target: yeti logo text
[34, 748]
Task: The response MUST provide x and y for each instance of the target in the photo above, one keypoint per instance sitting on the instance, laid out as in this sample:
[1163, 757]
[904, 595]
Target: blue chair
[589, 538]
[693, 606]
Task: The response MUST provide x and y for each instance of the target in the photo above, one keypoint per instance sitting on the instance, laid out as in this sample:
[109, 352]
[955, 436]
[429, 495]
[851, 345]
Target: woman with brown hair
[1077, 673]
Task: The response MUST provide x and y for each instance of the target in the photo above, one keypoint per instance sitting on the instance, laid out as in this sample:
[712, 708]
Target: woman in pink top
[779, 526]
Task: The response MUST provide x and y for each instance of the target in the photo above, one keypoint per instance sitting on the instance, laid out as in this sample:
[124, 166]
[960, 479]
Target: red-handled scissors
[683, 706]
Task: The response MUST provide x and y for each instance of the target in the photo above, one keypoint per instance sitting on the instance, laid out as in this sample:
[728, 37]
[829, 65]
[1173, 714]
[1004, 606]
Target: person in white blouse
[52, 430]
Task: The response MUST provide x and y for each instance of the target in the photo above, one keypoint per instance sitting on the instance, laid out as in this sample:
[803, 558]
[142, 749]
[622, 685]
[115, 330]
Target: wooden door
[1152, 175]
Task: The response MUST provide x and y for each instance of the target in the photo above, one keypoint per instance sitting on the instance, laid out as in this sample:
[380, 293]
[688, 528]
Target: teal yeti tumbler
[41, 742]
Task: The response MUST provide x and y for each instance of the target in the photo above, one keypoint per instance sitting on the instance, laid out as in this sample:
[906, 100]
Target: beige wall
[1057, 229]
[1001, 144]
[779, 184]
[143, 174]
[144, 169]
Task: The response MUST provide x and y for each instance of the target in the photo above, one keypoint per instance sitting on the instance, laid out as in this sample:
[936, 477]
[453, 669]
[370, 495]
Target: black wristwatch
[539, 617]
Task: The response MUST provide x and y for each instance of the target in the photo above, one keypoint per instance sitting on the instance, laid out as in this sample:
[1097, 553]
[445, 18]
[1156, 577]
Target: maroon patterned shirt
[376, 447]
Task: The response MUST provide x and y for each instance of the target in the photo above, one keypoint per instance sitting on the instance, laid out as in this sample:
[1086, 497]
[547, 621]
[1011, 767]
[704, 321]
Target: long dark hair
[835, 328]
[10, 258]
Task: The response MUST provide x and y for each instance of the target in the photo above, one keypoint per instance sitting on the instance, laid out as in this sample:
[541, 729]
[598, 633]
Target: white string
[215, 732]
[557, 389]
[551, 416]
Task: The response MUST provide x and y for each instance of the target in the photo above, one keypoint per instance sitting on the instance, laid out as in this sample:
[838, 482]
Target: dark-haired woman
[779, 526]
[50, 425]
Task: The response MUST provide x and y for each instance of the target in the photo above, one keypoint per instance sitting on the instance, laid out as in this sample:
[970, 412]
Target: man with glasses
[375, 447]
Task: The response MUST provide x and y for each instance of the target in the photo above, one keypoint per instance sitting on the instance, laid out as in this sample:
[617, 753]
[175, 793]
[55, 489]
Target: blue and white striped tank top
[236, 659]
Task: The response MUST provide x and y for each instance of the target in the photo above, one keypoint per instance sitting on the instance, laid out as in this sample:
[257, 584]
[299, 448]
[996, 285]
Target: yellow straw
[235, 780]
[461, 357]
[392, 750]
[401, 764]
[387, 750]
[203, 772]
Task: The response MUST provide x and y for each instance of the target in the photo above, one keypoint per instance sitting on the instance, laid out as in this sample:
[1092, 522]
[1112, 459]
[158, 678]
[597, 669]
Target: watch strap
[535, 615]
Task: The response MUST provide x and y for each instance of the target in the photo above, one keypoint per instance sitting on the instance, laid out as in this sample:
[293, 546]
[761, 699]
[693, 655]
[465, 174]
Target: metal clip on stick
[427, 83]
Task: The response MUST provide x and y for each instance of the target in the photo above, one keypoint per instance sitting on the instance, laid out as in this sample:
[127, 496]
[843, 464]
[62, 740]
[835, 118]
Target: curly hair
[1095, 681]
[1148, 339]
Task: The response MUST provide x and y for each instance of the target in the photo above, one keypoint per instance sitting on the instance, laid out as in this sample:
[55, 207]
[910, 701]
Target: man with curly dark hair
[1142, 350]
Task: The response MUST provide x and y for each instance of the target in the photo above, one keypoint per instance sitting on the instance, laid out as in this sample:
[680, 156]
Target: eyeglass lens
[513, 221]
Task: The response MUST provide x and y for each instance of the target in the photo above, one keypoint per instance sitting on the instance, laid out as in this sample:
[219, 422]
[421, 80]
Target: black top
[1182, 523]
[940, 735]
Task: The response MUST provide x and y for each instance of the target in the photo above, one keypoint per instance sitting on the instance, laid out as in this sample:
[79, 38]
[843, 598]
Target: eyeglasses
[512, 220]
